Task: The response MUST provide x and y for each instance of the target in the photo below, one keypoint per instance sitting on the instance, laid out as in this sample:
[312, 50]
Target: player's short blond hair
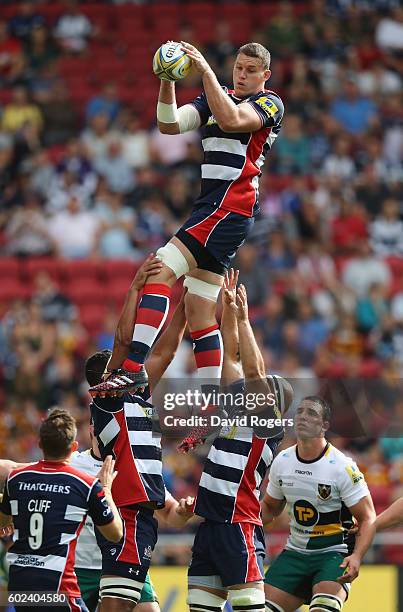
[254, 49]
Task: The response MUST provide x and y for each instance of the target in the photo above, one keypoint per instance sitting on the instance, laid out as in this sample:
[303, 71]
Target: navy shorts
[214, 235]
[226, 554]
[131, 557]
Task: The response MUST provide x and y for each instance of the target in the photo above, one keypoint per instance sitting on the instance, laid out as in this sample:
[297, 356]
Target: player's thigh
[201, 298]
[285, 600]
[185, 252]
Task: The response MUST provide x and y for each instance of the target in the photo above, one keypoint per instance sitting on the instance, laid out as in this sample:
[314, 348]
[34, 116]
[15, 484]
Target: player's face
[249, 75]
[309, 420]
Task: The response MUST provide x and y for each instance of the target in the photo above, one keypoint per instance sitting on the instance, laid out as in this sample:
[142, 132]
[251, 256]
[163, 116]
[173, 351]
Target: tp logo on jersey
[305, 513]
[324, 491]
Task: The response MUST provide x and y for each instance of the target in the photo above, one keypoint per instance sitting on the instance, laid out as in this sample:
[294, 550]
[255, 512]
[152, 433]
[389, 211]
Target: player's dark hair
[57, 433]
[95, 367]
[326, 412]
[256, 50]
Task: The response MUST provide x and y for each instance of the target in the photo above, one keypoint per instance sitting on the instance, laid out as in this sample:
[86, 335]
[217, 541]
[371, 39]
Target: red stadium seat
[124, 268]
[81, 269]
[396, 266]
[31, 267]
[85, 291]
[9, 267]
[13, 289]
[92, 316]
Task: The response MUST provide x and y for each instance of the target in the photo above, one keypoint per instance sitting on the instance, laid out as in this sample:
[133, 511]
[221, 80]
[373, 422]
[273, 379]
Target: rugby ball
[170, 63]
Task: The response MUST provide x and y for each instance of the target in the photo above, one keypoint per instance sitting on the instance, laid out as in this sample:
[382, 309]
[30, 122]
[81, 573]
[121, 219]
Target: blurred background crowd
[88, 187]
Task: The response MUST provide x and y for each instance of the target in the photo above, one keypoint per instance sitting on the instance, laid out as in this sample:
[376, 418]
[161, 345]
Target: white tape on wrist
[167, 113]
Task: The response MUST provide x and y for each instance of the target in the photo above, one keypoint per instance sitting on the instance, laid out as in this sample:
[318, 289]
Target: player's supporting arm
[271, 508]
[231, 367]
[166, 346]
[124, 331]
[113, 531]
[365, 515]
[176, 513]
[6, 466]
[170, 118]
[391, 517]
[229, 116]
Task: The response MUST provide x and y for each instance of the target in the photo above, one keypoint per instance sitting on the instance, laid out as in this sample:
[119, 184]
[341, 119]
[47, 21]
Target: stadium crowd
[87, 181]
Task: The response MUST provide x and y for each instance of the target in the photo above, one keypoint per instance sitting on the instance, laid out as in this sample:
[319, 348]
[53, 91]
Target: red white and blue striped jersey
[232, 161]
[124, 429]
[229, 486]
[49, 502]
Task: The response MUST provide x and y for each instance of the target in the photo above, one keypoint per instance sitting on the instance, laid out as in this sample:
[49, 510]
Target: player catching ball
[239, 127]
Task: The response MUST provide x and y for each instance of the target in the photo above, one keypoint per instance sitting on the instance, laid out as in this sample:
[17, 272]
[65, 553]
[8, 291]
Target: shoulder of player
[32, 467]
[285, 455]
[342, 462]
[80, 475]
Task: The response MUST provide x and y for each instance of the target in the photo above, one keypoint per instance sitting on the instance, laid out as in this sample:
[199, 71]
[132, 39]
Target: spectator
[292, 148]
[365, 270]
[97, 136]
[178, 197]
[116, 226]
[339, 163]
[386, 232]
[277, 257]
[27, 232]
[348, 227]
[41, 50]
[74, 230]
[253, 276]
[25, 21]
[312, 332]
[354, 113]
[54, 305]
[12, 63]
[371, 309]
[170, 150]
[75, 160]
[21, 111]
[114, 168]
[73, 28]
[105, 103]
[136, 146]
[378, 80]
[283, 36]
[389, 32]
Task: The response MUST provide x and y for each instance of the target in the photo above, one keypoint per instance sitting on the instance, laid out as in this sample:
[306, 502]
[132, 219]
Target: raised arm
[6, 466]
[231, 368]
[170, 118]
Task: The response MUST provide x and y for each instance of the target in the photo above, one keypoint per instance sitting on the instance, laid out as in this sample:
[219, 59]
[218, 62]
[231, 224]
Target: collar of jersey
[312, 460]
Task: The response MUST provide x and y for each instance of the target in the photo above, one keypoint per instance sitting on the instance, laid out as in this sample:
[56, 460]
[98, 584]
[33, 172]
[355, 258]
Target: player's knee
[172, 257]
[323, 602]
[122, 589]
[251, 599]
[201, 288]
[272, 607]
[199, 600]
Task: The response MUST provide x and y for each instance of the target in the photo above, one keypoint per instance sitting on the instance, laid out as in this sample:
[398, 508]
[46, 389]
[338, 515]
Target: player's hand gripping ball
[170, 63]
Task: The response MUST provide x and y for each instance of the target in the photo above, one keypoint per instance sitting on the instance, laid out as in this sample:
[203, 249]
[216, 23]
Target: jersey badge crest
[324, 491]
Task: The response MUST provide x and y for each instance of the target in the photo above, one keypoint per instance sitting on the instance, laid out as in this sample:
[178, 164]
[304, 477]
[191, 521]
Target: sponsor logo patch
[354, 473]
[267, 105]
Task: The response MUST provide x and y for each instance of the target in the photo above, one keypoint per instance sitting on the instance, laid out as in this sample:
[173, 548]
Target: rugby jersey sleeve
[201, 105]
[98, 507]
[352, 485]
[107, 404]
[269, 107]
[274, 486]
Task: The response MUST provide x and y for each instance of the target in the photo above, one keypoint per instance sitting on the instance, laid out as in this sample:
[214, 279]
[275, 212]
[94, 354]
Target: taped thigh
[203, 289]
[201, 601]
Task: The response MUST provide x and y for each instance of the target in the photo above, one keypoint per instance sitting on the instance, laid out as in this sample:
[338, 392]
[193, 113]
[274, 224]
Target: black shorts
[214, 235]
[226, 554]
[131, 557]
